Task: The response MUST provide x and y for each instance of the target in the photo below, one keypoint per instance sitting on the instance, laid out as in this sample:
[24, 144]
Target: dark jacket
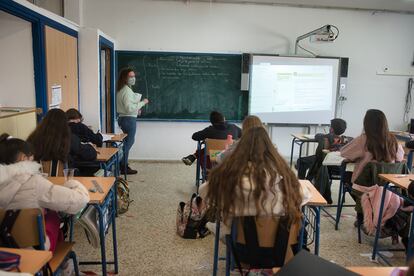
[80, 152]
[218, 131]
[85, 134]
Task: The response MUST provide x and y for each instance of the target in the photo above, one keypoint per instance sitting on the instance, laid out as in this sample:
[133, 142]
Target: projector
[319, 38]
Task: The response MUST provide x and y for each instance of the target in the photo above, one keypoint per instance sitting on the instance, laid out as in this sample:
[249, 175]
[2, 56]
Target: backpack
[191, 218]
[123, 200]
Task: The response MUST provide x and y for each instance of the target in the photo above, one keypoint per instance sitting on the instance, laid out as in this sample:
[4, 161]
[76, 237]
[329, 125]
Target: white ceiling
[405, 6]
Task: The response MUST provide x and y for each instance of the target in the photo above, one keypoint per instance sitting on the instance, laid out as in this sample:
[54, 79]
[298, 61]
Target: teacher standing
[128, 105]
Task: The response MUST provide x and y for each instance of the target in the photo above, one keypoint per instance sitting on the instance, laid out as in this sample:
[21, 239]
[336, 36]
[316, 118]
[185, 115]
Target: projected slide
[293, 90]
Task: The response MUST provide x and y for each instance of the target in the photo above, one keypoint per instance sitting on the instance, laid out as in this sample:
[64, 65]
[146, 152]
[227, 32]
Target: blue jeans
[128, 126]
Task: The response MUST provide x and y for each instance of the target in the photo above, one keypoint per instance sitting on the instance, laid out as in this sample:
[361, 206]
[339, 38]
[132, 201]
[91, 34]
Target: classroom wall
[371, 41]
[89, 75]
[16, 62]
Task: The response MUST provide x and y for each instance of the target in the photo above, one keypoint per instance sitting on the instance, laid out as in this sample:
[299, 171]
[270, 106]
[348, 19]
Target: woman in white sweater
[22, 186]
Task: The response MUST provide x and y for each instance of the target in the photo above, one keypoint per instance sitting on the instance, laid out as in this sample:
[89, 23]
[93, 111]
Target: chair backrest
[369, 175]
[53, 168]
[25, 230]
[216, 144]
[268, 228]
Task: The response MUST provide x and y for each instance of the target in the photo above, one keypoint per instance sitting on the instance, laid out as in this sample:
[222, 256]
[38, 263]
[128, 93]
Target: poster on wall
[56, 97]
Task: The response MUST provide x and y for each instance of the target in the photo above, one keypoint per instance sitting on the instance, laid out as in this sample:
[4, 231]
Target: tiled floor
[148, 245]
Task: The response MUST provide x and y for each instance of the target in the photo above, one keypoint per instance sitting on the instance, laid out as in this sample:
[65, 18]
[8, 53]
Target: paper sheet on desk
[309, 136]
[333, 158]
[107, 137]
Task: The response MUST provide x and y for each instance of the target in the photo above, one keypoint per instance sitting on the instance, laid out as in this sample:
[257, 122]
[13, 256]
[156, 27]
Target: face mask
[131, 81]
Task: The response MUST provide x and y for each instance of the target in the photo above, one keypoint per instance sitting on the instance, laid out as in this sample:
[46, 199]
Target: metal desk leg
[340, 201]
[216, 248]
[300, 156]
[115, 244]
[317, 228]
[125, 160]
[291, 151]
[302, 229]
[410, 160]
[102, 239]
[377, 233]
[71, 228]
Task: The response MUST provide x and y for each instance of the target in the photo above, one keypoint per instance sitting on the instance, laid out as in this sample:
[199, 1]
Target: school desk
[118, 140]
[300, 140]
[314, 203]
[366, 270]
[31, 261]
[400, 181]
[108, 157]
[104, 203]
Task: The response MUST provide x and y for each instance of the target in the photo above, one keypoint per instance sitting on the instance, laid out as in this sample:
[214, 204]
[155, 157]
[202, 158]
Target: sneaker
[129, 170]
[188, 160]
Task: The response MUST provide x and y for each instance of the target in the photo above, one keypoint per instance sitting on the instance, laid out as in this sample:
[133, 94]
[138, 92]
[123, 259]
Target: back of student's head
[13, 149]
[51, 138]
[257, 158]
[338, 126]
[73, 114]
[216, 118]
[251, 121]
[380, 142]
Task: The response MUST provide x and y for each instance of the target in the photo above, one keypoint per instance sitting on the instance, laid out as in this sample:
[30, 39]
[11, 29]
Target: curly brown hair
[255, 157]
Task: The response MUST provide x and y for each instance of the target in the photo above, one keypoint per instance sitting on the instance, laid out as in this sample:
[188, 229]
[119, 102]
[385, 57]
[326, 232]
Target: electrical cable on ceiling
[408, 100]
[309, 51]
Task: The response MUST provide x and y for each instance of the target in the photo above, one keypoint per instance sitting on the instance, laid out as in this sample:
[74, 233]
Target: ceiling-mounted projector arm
[322, 30]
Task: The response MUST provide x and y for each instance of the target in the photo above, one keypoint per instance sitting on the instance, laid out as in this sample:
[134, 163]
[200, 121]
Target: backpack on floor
[122, 195]
[191, 219]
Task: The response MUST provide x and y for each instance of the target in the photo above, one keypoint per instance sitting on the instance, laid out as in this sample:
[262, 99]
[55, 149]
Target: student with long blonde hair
[255, 181]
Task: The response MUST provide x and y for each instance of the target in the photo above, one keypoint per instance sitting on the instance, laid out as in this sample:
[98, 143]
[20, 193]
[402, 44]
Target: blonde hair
[251, 122]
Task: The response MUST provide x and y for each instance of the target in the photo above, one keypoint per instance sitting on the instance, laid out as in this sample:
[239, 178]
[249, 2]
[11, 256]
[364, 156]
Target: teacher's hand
[146, 101]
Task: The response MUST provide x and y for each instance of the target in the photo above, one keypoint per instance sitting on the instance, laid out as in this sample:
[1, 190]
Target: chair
[263, 242]
[216, 145]
[53, 168]
[369, 177]
[28, 230]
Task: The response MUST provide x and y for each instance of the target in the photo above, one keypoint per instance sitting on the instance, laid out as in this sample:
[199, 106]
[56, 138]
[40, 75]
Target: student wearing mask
[128, 105]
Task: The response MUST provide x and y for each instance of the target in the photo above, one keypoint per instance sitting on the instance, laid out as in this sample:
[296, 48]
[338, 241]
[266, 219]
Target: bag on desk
[191, 219]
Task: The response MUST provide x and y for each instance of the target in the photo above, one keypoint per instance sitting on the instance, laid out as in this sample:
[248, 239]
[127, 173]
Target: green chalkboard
[187, 86]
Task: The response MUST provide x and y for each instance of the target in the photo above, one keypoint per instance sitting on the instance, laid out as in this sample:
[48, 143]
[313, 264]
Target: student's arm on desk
[355, 149]
[69, 198]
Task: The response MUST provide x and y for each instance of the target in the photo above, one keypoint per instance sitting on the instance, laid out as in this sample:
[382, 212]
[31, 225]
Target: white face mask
[131, 81]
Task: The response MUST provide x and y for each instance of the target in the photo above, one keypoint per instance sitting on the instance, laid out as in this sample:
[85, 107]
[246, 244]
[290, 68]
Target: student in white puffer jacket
[22, 186]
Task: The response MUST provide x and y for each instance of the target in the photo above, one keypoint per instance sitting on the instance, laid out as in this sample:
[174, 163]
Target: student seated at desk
[219, 129]
[29, 189]
[254, 181]
[249, 122]
[332, 141]
[52, 140]
[84, 133]
[375, 144]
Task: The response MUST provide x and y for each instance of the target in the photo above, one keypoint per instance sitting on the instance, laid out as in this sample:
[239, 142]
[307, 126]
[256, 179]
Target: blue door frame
[38, 22]
[105, 43]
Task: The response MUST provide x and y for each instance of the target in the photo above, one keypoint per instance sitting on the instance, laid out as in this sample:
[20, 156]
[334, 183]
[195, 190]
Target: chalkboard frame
[172, 53]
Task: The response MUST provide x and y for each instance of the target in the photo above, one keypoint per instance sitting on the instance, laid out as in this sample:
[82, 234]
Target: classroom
[206, 137]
